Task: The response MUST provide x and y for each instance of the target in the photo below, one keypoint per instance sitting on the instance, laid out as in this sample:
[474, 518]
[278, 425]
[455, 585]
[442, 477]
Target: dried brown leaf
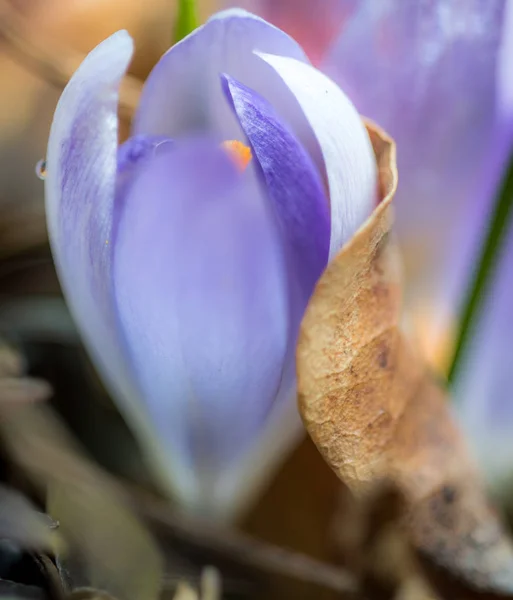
[375, 411]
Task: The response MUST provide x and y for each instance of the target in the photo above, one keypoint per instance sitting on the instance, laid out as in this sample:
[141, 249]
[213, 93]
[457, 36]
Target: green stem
[187, 19]
[483, 275]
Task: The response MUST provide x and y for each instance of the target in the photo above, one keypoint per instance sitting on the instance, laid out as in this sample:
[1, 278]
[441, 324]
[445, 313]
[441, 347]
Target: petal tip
[227, 83]
[110, 57]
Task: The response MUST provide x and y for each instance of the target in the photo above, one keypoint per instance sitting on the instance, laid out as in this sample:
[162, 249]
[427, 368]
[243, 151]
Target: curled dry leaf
[376, 413]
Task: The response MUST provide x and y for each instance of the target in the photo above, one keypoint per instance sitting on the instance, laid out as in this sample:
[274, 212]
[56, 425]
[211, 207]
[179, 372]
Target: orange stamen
[240, 153]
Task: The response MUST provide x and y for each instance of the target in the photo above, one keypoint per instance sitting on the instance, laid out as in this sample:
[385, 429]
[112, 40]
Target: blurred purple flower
[426, 72]
[437, 75]
[187, 275]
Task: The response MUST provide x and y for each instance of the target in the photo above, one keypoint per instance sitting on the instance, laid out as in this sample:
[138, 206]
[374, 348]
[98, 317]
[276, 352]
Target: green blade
[187, 19]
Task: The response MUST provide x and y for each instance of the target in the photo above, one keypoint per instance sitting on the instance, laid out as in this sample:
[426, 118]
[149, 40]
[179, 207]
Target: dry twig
[241, 548]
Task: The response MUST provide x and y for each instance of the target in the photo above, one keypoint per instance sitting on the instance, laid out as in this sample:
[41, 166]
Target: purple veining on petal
[293, 184]
[425, 71]
[202, 297]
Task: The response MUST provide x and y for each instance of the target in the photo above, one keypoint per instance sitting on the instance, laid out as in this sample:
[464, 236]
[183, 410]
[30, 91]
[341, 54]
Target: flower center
[238, 152]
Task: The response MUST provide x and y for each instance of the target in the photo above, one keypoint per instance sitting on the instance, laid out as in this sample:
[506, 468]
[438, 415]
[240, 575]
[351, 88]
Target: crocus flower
[188, 254]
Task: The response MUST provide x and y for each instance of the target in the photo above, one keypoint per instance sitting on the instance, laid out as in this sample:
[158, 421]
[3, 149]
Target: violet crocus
[188, 254]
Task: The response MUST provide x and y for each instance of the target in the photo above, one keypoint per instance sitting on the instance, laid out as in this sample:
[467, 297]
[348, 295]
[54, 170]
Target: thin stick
[242, 548]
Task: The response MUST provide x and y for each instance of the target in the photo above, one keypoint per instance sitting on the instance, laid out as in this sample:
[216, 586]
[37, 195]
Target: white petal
[345, 145]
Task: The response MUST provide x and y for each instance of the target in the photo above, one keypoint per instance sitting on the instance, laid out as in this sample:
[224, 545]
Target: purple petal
[182, 94]
[293, 184]
[80, 192]
[295, 188]
[348, 157]
[282, 432]
[426, 73]
[202, 298]
[80, 188]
